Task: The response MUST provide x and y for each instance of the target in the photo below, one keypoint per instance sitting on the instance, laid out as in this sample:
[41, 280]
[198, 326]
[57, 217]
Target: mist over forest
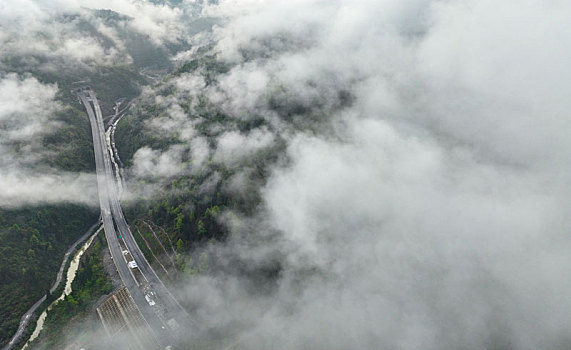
[342, 174]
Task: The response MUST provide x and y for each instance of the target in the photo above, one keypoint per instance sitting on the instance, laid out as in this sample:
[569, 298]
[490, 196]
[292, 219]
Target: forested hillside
[74, 315]
[33, 243]
[191, 202]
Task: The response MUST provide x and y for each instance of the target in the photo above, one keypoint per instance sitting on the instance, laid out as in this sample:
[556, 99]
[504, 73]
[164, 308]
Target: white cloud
[32, 38]
[507, 83]
[55, 30]
[156, 164]
[423, 202]
[200, 152]
[233, 147]
[25, 105]
[20, 188]
[160, 22]
[26, 108]
[430, 211]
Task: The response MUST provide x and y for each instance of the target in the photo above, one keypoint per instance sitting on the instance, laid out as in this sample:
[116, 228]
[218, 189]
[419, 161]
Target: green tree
[200, 228]
[178, 222]
[179, 246]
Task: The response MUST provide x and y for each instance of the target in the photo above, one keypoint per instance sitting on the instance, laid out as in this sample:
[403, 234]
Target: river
[70, 276]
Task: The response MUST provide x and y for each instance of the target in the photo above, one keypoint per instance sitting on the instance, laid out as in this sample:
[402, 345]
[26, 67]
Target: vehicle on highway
[149, 300]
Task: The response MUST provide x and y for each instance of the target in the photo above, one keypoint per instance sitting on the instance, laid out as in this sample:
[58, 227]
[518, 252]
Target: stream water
[70, 276]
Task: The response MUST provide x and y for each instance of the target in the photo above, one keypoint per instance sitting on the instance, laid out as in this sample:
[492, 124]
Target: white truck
[149, 300]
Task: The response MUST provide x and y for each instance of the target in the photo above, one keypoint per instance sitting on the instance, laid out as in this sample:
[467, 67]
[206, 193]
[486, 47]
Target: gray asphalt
[172, 307]
[112, 214]
[25, 320]
[103, 177]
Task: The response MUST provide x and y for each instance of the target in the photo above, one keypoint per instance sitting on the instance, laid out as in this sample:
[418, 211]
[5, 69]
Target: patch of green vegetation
[190, 215]
[70, 147]
[130, 134]
[208, 66]
[75, 316]
[160, 246]
[34, 241]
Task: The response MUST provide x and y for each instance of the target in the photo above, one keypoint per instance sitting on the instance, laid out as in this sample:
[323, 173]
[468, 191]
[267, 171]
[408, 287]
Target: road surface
[167, 318]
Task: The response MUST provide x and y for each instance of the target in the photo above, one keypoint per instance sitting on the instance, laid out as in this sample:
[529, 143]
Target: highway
[167, 319]
[25, 320]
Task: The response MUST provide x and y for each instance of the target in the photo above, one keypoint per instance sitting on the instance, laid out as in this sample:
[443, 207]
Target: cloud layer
[62, 41]
[420, 193]
[424, 200]
[26, 108]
